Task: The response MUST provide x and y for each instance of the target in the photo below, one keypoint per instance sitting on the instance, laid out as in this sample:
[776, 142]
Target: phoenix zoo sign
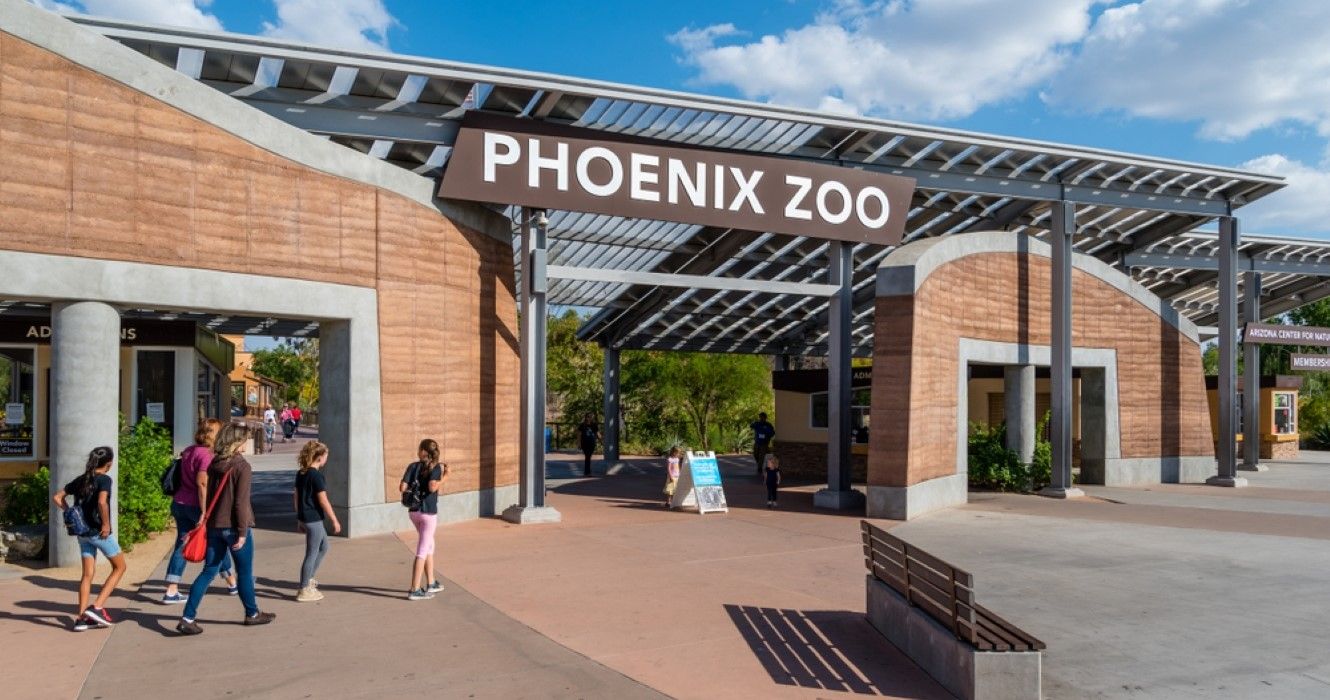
[535, 164]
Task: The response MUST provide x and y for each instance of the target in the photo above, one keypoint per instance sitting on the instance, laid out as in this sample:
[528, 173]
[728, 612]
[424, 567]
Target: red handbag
[196, 540]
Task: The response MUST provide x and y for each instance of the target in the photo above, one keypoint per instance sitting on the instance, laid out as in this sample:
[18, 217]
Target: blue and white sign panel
[700, 485]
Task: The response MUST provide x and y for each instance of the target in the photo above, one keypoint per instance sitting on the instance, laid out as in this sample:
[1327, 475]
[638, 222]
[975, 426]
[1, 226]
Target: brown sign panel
[505, 160]
[1315, 363]
[1277, 334]
[36, 330]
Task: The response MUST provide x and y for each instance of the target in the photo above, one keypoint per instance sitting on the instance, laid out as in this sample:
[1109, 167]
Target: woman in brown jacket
[229, 524]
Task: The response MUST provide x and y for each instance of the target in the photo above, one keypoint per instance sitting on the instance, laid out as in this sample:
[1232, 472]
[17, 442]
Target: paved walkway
[1165, 591]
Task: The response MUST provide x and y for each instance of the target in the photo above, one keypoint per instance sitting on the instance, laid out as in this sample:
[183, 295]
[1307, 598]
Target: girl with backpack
[312, 507]
[187, 508]
[229, 519]
[92, 498]
[420, 494]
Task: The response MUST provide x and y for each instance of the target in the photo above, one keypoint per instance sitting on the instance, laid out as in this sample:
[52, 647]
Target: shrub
[28, 500]
[1041, 465]
[145, 452]
[991, 464]
[662, 446]
[732, 439]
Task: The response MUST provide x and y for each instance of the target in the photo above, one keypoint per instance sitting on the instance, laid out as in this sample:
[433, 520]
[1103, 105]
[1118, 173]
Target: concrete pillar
[531, 506]
[350, 424]
[839, 494]
[1019, 397]
[1228, 360]
[1061, 237]
[85, 365]
[610, 436]
[1251, 379]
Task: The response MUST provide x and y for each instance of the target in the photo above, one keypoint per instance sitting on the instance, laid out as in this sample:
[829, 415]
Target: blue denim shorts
[90, 546]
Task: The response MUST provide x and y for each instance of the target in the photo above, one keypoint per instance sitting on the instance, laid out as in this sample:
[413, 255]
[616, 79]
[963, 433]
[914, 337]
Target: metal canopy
[1130, 210]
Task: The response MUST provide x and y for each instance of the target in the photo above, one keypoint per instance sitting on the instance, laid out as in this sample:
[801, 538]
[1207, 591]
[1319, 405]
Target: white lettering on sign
[719, 187]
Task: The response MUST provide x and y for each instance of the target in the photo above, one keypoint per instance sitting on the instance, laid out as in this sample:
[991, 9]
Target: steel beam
[531, 506]
[611, 404]
[839, 494]
[662, 279]
[1061, 237]
[1244, 263]
[1251, 379]
[364, 124]
[1228, 362]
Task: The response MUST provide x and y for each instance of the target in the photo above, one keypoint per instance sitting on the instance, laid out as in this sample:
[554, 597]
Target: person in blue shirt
[763, 432]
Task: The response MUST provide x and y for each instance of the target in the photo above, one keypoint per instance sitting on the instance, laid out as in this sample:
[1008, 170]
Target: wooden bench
[926, 608]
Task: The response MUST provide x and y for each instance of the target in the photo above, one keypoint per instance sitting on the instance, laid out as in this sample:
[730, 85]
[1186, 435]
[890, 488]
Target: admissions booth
[406, 207]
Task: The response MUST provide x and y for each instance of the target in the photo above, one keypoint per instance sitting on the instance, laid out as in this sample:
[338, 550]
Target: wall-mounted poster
[156, 412]
[15, 414]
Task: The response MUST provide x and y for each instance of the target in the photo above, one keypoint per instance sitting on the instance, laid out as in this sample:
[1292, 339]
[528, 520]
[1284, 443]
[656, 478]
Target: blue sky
[1230, 82]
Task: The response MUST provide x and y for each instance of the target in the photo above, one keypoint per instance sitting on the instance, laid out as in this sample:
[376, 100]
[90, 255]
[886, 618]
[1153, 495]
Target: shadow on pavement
[826, 649]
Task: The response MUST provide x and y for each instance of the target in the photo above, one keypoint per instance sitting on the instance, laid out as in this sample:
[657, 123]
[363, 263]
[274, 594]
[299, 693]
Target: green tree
[295, 363]
[713, 389]
[573, 370]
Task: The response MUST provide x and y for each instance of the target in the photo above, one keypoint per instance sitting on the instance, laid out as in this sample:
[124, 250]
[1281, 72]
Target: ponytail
[98, 458]
[310, 453]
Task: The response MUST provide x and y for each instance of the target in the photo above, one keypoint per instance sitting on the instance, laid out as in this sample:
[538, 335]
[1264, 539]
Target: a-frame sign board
[699, 484]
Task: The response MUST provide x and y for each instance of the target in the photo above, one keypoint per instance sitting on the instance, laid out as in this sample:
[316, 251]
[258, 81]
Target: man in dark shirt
[587, 436]
[763, 432]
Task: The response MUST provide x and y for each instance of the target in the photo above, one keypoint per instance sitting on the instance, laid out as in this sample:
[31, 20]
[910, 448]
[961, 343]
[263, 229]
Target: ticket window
[1285, 412]
[18, 395]
[156, 387]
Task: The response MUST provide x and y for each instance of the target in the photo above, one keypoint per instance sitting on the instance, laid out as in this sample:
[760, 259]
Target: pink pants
[425, 524]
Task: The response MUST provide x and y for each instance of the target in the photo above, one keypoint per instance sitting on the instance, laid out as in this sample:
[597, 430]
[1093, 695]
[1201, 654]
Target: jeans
[587, 451]
[186, 519]
[219, 546]
[316, 545]
[90, 546]
[760, 456]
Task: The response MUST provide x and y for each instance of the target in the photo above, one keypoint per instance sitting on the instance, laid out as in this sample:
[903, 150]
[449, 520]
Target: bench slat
[1015, 632]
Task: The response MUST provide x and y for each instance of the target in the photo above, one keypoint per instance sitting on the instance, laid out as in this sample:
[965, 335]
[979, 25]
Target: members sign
[520, 161]
[1316, 363]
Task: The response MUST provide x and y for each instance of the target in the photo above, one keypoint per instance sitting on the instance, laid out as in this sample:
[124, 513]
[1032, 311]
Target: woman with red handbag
[229, 520]
[187, 508]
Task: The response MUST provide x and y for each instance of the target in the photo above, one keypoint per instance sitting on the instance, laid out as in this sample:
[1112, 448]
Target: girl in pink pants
[420, 492]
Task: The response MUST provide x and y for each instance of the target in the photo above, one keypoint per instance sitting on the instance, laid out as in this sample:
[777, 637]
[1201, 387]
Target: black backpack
[171, 478]
[412, 498]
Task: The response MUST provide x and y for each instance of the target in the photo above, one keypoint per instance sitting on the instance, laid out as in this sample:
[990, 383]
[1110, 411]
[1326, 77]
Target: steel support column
[1228, 355]
[839, 494]
[1063, 231]
[1251, 379]
[610, 433]
[531, 506]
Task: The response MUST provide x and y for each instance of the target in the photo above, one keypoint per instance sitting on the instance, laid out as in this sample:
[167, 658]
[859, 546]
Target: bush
[991, 464]
[662, 446]
[1041, 465]
[145, 452]
[28, 500]
[732, 439]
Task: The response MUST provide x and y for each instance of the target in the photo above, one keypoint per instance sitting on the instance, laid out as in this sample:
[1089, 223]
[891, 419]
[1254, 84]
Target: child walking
[312, 508]
[92, 496]
[672, 474]
[420, 494]
[772, 477]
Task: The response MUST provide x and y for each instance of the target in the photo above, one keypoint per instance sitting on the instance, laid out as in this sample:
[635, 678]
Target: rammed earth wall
[95, 168]
[994, 286]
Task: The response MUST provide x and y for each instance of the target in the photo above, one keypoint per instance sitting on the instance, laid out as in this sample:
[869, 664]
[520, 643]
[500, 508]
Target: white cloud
[924, 59]
[1234, 65]
[174, 13]
[344, 24]
[1301, 207]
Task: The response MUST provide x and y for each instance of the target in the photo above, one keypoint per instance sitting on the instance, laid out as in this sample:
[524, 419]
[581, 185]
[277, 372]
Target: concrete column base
[1229, 481]
[839, 500]
[1055, 492]
[531, 515]
[1253, 468]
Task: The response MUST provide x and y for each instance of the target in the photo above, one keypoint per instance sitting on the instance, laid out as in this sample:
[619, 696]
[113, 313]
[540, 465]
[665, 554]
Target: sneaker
[233, 590]
[188, 628]
[314, 583]
[172, 598]
[308, 594]
[262, 618]
[419, 594]
[82, 623]
[434, 587]
[99, 616]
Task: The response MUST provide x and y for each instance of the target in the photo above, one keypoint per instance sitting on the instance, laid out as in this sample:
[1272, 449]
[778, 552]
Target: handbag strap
[217, 494]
